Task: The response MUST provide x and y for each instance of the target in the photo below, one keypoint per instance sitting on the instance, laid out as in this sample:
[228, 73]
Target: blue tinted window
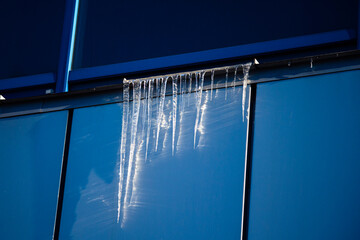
[305, 167]
[193, 194]
[31, 150]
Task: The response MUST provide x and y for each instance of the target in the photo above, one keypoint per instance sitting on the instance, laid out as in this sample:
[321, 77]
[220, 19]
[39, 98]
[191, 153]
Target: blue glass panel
[193, 194]
[305, 168]
[31, 150]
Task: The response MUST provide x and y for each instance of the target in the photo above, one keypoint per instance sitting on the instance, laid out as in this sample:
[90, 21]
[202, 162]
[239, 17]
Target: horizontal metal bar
[232, 67]
[337, 58]
[27, 81]
[110, 95]
[211, 55]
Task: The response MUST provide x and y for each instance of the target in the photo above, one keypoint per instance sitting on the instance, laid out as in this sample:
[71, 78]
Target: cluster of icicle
[144, 93]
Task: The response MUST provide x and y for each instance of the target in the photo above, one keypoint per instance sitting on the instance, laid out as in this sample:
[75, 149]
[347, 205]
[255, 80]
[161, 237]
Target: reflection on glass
[120, 185]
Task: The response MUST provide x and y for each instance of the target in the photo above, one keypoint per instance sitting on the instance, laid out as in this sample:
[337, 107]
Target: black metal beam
[63, 175]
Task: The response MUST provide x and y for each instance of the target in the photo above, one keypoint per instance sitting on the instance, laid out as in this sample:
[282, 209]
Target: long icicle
[144, 109]
[189, 88]
[157, 89]
[161, 110]
[133, 136]
[125, 119]
[174, 107]
[183, 91]
[197, 82]
[149, 115]
[198, 105]
[181, 104]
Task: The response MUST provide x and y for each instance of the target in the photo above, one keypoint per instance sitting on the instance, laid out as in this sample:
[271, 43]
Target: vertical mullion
[247, 165]
[63, 175]
[67, 45]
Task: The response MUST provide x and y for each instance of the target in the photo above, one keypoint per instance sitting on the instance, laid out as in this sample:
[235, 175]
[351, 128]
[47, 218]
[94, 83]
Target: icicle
[134, 97]
[149, 111]
[174, 107]
[144, 89]
[184, 84]
[311, 63]
[226, 81]
[189, 88]
[161, 110]
[212, 82]
[248, 108]
[246, 69]
[182, 99]
[201, 126]
[144, 108]
[125, 119]
[190, 82]
[183, 92]
[133, 136]
[157, 96]
[196, 82]
[158, 88]
[198, 105]
[235, 73]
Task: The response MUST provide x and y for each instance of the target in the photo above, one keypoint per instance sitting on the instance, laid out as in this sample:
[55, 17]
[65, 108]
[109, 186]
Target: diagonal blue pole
[67, 45]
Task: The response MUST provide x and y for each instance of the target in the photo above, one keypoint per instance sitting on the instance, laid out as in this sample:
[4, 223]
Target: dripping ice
[143, 119]
[198, 103]
[160, 110]
[174, 108]
[246, 69]
[149, 114]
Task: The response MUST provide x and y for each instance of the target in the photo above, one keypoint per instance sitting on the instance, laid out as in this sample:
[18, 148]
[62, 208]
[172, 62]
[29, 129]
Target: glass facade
[305, 159]
[31, 152]
[197, 164]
